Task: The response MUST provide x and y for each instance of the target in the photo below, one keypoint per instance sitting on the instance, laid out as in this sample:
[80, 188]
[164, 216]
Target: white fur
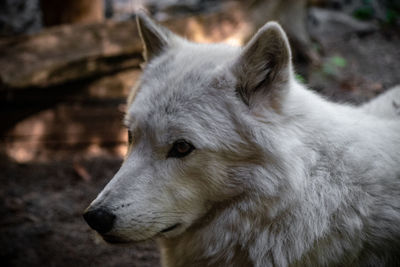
[310, 183]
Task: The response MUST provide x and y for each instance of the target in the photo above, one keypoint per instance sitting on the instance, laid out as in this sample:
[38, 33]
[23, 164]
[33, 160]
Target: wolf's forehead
[168, 105]
[184, 66]
[179, 70]
[177, 81]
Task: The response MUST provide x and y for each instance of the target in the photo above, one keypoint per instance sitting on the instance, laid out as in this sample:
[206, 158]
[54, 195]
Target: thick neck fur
[326, 208]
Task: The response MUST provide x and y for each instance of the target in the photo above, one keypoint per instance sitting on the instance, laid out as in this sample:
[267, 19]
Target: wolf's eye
[130, 139]
[180, 149]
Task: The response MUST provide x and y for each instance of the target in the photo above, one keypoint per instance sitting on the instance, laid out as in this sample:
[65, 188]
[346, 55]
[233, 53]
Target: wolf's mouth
[118, 240]
[114, 240]
[170, 228]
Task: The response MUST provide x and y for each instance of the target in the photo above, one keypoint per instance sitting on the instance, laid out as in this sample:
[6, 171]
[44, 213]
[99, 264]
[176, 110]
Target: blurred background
[66, 68]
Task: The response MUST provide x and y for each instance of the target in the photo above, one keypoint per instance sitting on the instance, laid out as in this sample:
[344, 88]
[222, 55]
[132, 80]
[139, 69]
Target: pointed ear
[263, 68]
[155, 37]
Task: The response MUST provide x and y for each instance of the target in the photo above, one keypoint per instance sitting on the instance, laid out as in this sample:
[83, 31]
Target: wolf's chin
[167, 232]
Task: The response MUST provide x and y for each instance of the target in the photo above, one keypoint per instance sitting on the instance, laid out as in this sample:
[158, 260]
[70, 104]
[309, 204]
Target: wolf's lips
[118, 240]
[168, 229]
[114, 240]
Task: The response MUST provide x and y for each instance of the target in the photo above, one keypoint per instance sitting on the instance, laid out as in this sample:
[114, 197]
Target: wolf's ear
[264, 65]
[155, 38]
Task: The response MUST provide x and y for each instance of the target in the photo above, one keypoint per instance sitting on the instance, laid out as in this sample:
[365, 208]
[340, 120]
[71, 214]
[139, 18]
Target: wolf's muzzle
[100, 220]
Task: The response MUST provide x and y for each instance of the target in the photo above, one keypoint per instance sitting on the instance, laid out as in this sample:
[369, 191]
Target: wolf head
[195, 131]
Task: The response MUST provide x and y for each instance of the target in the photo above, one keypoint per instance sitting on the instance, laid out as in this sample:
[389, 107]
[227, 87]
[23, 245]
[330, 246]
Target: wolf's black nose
[100, 220]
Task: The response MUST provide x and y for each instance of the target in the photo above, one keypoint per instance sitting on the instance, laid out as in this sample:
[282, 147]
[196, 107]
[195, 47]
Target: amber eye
[180, 149]
[130, 139]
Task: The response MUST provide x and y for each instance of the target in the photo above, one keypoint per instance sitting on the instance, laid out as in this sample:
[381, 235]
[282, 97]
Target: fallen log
[70, 52]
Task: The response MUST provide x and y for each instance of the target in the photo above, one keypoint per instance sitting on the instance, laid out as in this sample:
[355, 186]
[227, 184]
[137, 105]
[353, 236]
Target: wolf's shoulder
[386, 105]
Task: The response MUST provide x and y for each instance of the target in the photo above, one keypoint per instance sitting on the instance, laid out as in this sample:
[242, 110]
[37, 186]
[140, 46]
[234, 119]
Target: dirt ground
[41, 203]
[41, 220]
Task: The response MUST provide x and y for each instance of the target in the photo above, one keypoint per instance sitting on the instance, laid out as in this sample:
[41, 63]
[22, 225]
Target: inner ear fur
[264, 65]
[155, 38]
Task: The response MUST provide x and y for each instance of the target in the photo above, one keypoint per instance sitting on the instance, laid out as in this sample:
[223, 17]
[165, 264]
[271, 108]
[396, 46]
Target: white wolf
[234, 163]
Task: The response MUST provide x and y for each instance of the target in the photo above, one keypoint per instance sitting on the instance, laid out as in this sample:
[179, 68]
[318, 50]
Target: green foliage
[392, 16]
[339, 61]
[300, 78]
[333, 65]
[364, 13]
[390, 9]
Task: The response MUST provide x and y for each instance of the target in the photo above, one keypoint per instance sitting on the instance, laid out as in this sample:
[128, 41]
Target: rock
[19, 16]
[324, 22]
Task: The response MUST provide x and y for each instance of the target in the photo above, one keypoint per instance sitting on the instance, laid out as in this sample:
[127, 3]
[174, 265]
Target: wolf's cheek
[206, 178]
